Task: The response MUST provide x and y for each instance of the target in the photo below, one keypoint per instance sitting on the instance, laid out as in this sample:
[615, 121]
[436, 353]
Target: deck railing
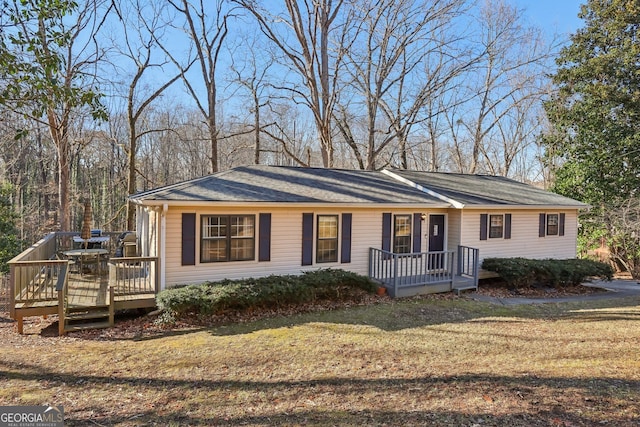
[134, 275]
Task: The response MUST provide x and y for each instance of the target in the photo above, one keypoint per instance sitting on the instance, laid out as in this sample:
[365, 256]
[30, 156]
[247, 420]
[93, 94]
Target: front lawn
[426, 361]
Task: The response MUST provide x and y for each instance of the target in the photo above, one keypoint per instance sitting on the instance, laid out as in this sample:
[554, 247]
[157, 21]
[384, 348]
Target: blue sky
[559, 16]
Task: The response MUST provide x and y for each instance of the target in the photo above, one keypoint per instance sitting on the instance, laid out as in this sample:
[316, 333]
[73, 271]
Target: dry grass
[426, 361]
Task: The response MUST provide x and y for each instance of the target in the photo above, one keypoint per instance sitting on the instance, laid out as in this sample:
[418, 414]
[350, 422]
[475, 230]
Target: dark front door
[436, 240]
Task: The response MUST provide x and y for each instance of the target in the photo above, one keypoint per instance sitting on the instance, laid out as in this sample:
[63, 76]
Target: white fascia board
[527, 207]
[210, 203]
[456, 204]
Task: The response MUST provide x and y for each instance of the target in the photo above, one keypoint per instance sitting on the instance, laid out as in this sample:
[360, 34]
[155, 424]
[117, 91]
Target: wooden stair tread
[86, 316]
[81, 309]
[86, 326]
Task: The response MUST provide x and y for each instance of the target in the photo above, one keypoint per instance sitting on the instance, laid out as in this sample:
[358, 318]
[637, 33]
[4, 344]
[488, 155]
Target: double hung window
[496, 226]
[327, 239]
[227, 238]
[402, 234]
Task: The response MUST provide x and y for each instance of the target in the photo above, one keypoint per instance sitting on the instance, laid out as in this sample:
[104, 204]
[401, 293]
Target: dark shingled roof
[486, 189]
[281, 184]
[291, 185]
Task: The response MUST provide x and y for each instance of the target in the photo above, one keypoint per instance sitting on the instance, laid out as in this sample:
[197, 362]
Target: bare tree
[207, 40]
[252, 75]
[510, 73]
[137, 44]
[404, 56]
[305, 37]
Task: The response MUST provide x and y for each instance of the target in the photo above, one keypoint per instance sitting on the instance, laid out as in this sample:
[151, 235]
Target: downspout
[162, 245]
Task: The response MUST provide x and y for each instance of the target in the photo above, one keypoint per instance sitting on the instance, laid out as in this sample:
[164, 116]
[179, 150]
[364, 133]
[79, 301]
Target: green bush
[271, 291]
[523, 272]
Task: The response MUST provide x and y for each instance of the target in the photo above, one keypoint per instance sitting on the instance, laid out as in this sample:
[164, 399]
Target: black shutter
[307, 238]
[542, 225]
[561, 225]
[386, 232]
[484, 220]
[188, 239]
[264, 242]
[345, 250]
[507, 226]
[417, 232]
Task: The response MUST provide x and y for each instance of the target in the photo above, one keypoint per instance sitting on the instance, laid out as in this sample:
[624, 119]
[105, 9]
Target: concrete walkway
[617, 288]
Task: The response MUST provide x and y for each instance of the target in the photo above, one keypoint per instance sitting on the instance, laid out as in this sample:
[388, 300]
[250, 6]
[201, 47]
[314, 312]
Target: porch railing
[397, 271]
[414, 269]
[468, 267]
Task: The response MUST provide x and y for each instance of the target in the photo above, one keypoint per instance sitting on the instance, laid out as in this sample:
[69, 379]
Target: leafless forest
[194, 87]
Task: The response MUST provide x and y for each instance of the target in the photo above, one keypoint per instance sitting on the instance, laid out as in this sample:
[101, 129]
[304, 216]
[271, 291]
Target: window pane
[402, 244]
[552, 224]
[214, 250]
[327, 250]
[242, 249]
[327, 227]
[214, 226]
[242, 226]
[496, 226]
[403, 225]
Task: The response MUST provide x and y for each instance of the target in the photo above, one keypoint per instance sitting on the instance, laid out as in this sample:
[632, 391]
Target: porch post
[395, 275]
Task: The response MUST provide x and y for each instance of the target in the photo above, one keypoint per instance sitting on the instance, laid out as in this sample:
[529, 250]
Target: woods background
[104, 98]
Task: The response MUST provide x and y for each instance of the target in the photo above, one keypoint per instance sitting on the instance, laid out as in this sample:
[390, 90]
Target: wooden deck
[43, 284]
[83, 293]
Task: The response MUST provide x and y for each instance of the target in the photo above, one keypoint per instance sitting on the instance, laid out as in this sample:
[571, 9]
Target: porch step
[84, 318]
[84, 309]
[86, 315]
[87, 326]
[465, 288]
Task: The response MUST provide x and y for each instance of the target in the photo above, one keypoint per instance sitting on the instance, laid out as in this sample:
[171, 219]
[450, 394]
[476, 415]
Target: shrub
[271, 291]
[523, 272]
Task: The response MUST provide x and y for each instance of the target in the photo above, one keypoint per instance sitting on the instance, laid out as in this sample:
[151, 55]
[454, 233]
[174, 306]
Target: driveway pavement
[615, 289]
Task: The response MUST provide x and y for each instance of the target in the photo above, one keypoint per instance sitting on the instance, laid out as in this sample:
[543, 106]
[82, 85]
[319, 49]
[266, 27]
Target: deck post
[112, 305]
[61, 309]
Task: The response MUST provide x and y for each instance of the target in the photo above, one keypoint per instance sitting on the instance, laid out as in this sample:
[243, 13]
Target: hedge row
[271, 291]
[522, 272]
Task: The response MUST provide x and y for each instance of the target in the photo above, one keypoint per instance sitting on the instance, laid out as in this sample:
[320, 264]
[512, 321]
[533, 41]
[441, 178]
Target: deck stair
[83, 318]
[461, 283]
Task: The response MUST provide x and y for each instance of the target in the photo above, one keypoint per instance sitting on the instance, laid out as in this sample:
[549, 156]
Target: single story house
[393, 225]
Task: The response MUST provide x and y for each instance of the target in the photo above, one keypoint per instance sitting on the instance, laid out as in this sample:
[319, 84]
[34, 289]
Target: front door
[436, 241]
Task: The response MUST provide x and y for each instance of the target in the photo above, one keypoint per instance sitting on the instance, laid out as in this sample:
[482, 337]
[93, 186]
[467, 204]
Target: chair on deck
[86, 261]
